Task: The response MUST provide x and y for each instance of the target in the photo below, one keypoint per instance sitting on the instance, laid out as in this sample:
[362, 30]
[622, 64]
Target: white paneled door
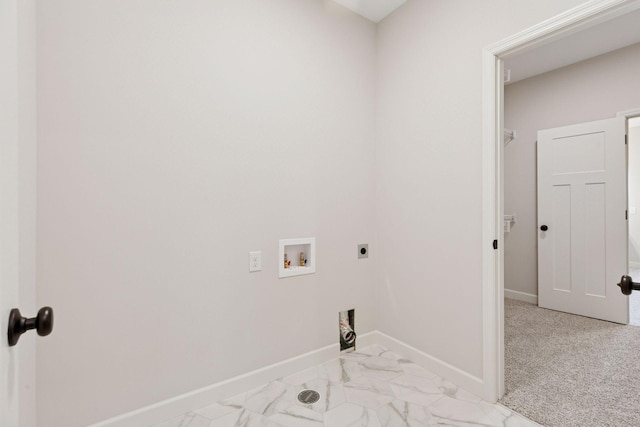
[582, 226]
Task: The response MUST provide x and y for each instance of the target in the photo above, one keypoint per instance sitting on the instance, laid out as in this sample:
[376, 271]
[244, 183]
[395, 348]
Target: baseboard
[457, 376]
[521, 296]
[174, 407]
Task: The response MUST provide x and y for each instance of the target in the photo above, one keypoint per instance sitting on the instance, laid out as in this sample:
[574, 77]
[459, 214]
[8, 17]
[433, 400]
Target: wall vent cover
[308, 396]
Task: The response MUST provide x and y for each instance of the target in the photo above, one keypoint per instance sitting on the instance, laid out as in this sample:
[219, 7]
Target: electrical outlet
[255, 261]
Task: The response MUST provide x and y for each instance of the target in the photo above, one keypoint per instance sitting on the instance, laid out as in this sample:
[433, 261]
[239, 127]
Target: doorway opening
[546, 34]
[573, 22]
[542, 346]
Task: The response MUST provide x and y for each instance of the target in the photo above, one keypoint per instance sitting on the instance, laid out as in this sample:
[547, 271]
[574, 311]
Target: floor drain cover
[308, 396]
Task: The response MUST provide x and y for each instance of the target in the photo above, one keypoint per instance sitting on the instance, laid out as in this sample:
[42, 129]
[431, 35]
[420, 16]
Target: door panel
[592, 157]
[595, 243]
[562, 241]
[582, 198]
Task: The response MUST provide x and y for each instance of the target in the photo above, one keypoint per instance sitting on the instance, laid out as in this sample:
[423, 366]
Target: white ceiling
[373, 10]
[597, 40]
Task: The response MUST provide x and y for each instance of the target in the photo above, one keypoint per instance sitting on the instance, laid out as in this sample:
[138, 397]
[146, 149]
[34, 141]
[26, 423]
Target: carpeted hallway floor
[563, 370]
[635, 298]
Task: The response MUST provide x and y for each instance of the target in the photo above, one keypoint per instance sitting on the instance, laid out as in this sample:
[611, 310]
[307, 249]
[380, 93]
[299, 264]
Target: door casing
[17, 206]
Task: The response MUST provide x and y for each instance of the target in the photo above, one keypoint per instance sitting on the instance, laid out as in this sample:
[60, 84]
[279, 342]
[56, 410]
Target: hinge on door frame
[626, 215]
[626, 139]
[495, 244]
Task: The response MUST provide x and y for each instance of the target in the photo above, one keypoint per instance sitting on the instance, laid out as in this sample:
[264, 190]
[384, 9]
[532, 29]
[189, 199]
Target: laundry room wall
[429, 170]
[174, 138]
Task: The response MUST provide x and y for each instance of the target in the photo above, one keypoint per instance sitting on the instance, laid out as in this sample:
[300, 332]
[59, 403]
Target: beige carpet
[635, 298]
[565, 370]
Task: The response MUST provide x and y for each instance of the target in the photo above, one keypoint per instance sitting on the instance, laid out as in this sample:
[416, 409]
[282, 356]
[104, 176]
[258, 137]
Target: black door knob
[18, 325]
[627, 285]
[544, 228]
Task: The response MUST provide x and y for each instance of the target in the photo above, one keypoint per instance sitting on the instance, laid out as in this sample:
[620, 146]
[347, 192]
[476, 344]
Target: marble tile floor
[372, 387]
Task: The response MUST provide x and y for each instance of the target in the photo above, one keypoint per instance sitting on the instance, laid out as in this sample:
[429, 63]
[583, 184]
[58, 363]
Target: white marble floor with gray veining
[373, 387]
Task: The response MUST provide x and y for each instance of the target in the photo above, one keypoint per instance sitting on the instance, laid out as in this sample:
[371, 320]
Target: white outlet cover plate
[255, 261]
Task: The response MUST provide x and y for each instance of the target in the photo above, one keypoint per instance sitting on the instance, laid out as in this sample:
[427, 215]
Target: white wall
[175, 137]
[429, 163]
[590, 90]
[634, 192]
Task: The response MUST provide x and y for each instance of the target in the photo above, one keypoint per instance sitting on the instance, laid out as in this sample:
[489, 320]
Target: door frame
[17, 207]
[9, 170]
[571, 21]
[628, 114]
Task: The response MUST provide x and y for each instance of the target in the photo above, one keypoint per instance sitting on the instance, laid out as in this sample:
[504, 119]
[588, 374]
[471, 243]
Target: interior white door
[582, 203]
